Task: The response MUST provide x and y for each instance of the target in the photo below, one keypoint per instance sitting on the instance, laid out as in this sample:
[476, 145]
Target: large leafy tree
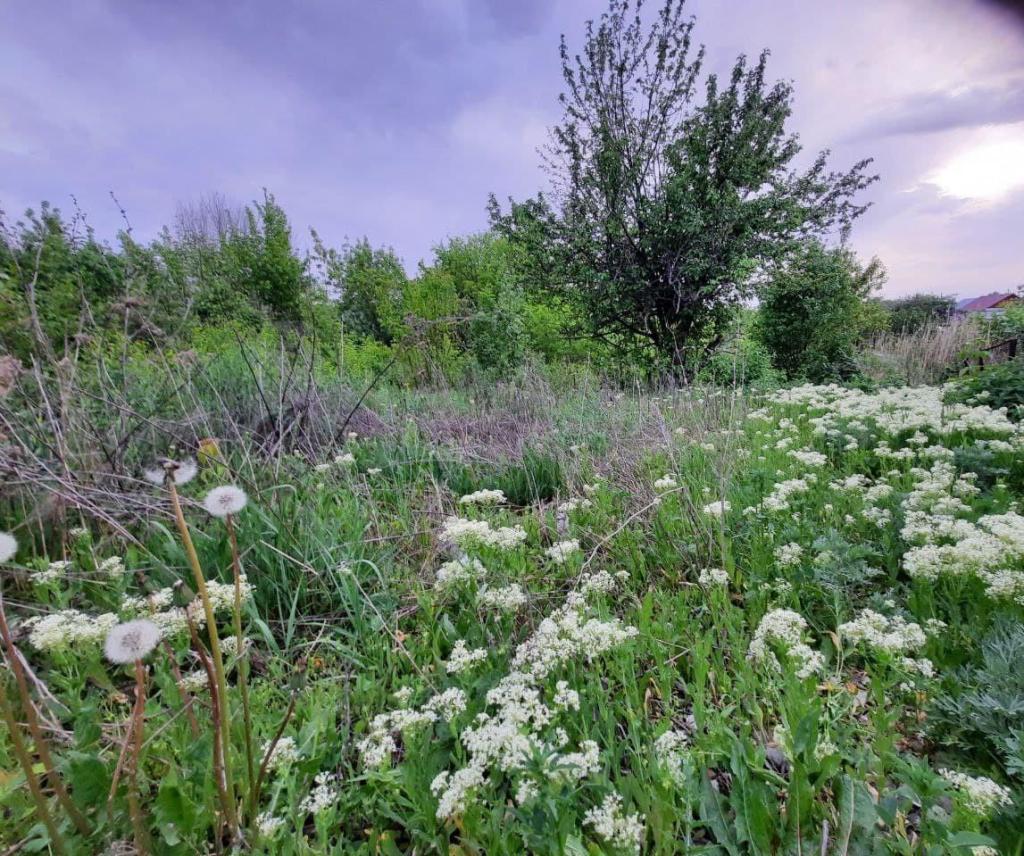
[663, 210]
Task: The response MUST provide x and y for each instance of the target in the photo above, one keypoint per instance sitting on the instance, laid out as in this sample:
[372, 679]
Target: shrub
[1000, 385]
[815, 310]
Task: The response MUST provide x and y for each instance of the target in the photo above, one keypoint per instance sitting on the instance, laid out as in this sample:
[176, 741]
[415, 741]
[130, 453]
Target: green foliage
[666, 207]
[984, 712]
[261, 257]
[743, 360]
[370, 284]
[910, 314]
[815, 309]
[1000, 385]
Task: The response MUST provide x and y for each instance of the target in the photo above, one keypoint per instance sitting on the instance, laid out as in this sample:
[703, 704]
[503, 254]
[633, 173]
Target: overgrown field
[544, 622]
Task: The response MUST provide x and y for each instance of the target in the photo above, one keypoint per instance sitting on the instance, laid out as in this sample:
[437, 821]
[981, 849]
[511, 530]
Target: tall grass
[928, 355]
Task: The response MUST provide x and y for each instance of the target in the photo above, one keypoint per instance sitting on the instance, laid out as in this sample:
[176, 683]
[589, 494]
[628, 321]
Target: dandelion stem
[243, 660]
[218, 662]
[18, 745]
[218, 744]
[38, 738]
[138, 715]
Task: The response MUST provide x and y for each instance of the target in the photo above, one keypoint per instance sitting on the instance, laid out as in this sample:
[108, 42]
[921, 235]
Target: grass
[628, 639]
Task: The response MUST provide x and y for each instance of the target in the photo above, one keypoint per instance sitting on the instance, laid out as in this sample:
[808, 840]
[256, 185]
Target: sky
[395, 119]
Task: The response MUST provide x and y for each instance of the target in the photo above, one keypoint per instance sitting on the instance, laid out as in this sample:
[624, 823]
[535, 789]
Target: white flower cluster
[53, 572]
[471, 533]
[622, 831]
[560, 552]
[285, 753]
[483, 497]
[670, 750]
[113, 567]
[979, 794]
[453, 790]
[891, 635]
[789, 555]
[711, 577]
[571, 505]
[778, 499]
[666, 482]
[601, 582]
[458, 571]
[222, 595]
[987, 549]
[323, 796]
[513, 733]
[379, 744]
[809, 457]
[894, 411]
[69, 627]
[785, 628]
[462, 658]
[717, 509]
[507, 599]
[267, 824]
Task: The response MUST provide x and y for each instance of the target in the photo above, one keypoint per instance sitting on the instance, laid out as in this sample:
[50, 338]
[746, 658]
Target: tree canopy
[664, 208]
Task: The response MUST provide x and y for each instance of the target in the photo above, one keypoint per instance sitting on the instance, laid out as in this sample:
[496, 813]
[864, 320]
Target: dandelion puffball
[222, 501]
[8, 546]
[131, 641]
[183, 472]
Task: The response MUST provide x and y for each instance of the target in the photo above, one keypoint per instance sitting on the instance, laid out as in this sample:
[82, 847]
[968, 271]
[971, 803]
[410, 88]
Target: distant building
[988, 304]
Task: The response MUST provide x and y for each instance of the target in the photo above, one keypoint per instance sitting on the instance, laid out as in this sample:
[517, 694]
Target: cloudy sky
[395, 119]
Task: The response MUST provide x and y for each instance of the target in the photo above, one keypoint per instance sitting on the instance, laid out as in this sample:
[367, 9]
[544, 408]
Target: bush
[1001, 385]
[815, 310]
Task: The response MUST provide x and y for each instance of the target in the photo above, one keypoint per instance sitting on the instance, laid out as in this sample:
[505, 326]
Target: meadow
[541, 616]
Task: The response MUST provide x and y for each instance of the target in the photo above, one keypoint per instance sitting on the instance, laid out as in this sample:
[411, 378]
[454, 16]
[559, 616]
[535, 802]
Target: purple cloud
[395, 120]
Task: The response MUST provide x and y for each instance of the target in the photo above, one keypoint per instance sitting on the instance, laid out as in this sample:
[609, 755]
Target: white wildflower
[483, 497]
[323, 795]
[462, 658]
[979, 794]
[508, 599]
[711, 577]
[558, 553]
[285, 753]
[620, 830]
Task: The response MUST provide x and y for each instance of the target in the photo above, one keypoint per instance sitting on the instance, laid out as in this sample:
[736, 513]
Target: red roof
[986, 301]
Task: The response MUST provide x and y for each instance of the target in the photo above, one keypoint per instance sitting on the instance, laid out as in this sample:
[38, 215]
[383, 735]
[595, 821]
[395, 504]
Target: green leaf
[856, 811]
[89, 779]
[712, 813]
[970, 839]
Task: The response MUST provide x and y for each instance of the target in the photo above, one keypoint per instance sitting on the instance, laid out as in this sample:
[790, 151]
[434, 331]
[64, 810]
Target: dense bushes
[816, 308]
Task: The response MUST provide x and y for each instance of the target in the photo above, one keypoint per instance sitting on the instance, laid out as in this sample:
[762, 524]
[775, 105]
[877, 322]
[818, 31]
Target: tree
[370, 284]
[910, 314]
[816, 308]
[662, 211]
[261, 261]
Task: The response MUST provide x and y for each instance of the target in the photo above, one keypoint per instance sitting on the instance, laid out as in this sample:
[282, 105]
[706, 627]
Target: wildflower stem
[138, 716]
[215, 654]
[218, 743]
[38, 738]
[273, 745]
[243, 660]
[25, 760]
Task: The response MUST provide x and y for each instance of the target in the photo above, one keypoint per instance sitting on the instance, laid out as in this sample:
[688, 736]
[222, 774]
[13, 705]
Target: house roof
[986, 301]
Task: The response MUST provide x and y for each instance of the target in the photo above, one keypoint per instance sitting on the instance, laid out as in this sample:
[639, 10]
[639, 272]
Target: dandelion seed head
[225, 500]
[131, 641]
[8, 546]
[182, 472]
